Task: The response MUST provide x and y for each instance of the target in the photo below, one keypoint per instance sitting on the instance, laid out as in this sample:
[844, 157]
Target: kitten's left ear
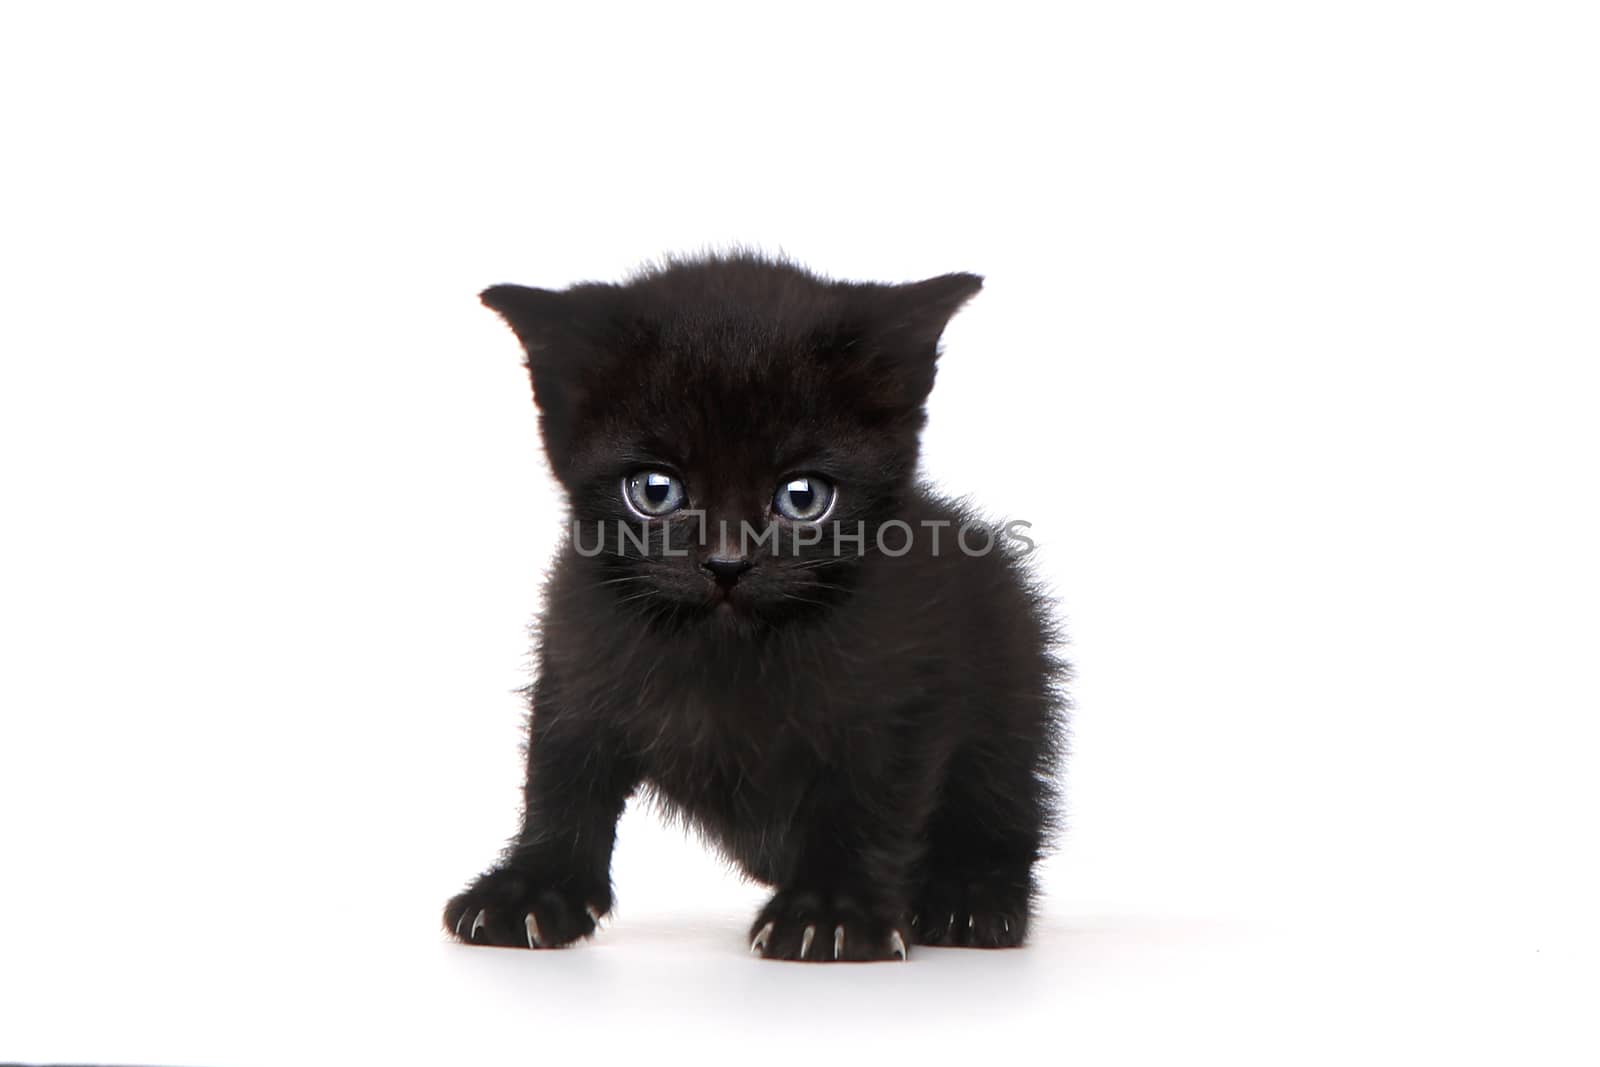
[917, 313]
[899, 327]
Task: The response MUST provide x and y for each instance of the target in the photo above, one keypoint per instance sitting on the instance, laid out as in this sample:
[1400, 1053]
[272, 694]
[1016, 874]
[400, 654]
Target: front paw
[520, 910]
[966, 914]
[820, 927]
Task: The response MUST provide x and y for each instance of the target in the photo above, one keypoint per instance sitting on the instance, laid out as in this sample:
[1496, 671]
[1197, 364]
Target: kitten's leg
[844, 895]
[977, 886]
[553, 883]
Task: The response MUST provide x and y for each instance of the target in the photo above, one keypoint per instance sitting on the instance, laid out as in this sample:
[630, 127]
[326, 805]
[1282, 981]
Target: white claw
[914, 920]
[972, 920]
[459, 920]
[805, 940]
[760, 941]
[1007, 923]
[532, 925]
[897, 944]
[477, 924]
[594, 916]
[838, 941]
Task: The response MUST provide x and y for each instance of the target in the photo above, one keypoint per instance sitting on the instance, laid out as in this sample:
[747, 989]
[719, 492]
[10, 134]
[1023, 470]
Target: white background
[1287, 350]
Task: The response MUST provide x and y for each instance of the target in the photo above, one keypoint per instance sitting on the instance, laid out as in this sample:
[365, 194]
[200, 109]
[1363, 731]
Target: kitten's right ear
[536, 316]
[549, 326]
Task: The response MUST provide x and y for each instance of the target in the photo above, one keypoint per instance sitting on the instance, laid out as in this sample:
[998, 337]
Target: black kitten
[844, 682]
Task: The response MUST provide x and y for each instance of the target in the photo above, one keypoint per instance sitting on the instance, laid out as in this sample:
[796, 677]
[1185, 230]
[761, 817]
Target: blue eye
[653, 493]
[805, 498]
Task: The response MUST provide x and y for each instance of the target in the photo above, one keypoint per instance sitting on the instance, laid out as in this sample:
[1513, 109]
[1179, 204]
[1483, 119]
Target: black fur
[874, 734]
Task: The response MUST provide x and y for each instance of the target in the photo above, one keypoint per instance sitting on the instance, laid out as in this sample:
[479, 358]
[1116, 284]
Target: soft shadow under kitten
[761, 618]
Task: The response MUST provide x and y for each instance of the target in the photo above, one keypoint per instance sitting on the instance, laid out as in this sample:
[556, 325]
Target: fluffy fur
[875, 735]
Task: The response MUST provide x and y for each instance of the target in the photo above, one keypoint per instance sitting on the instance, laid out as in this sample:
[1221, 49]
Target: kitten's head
[716, 422]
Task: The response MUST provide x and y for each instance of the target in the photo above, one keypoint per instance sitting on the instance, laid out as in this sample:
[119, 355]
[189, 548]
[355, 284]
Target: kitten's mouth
[727, 601]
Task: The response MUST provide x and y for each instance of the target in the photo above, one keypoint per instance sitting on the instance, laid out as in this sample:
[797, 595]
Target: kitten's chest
[718, 722]
[730, 739]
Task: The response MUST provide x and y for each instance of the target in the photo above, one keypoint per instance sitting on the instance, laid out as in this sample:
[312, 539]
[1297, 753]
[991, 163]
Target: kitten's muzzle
[726, 569]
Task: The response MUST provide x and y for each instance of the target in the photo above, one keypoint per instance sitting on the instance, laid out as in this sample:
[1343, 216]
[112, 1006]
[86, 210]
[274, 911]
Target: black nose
[726, 571]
